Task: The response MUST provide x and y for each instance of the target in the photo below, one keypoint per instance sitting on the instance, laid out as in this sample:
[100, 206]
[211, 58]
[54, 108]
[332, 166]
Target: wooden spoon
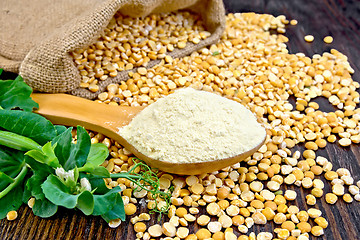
[107, 119]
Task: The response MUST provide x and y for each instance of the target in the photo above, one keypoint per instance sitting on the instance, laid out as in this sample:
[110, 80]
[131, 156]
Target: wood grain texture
[338, 18]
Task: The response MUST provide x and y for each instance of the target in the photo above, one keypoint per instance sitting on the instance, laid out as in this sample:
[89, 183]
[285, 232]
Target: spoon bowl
[69, 110]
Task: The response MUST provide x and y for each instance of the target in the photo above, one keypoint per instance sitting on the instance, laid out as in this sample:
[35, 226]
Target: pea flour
[193, 126]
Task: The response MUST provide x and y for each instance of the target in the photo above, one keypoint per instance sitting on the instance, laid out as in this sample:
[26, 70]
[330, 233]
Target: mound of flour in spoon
[193, 126]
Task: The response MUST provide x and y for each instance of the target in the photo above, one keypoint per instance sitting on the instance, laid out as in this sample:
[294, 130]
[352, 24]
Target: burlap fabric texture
[36, 36]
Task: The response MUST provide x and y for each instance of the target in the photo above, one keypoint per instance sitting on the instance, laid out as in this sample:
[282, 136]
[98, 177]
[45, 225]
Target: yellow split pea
[238, 190]
[309, 38]
[328, 39]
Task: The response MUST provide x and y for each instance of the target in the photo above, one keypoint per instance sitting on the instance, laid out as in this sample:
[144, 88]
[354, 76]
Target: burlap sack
[36, 36]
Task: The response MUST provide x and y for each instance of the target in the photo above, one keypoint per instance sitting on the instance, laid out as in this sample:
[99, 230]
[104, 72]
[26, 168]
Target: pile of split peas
[252, 66]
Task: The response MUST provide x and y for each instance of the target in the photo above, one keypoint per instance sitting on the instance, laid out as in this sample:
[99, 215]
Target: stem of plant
[17, 180]
[132, 178]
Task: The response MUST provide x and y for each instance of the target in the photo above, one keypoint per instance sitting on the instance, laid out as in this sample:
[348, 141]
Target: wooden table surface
[338, 18]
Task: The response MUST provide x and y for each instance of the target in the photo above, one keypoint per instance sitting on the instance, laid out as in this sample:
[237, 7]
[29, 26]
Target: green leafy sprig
[40, 160]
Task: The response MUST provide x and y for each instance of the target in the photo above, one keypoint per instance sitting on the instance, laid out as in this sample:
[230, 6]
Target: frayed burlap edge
[48, 67]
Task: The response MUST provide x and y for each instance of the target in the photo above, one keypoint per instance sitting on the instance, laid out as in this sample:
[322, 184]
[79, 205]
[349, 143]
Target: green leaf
[117, 211]
[98, 153]
[80, 150]
[18, 180]
[62, 149]
[27, 124]
[38, 167]
[16, 94]
[11, 163]
[26, 195]
[1, 70]
[76, 174]
[98, 184]
[86, 202]
[40, 173]
[11, 201]
[52, 160]
[46, 155]
[101, 172]
[33, 184]
[44, 208]
[72, 155]
[5, 178]
[104, 203]
[57, 193]
[59, 129]
[95, 170]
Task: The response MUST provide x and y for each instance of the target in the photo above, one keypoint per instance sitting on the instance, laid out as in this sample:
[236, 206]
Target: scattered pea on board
[234, 196]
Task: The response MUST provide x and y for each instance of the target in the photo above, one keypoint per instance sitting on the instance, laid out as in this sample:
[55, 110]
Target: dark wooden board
[338, 18]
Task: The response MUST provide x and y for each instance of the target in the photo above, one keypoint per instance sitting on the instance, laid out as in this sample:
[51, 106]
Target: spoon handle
[70, 110]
